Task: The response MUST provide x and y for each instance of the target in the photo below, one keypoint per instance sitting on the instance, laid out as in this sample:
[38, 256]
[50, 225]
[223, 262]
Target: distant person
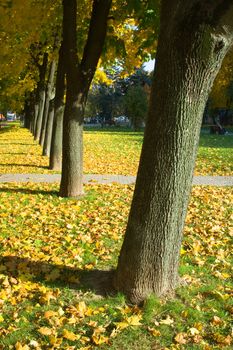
[218, 129]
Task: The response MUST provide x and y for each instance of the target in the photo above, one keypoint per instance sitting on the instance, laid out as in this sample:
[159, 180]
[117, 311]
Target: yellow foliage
[219, 97]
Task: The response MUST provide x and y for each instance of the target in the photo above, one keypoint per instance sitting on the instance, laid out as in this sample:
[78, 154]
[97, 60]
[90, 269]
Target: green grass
[215, 156]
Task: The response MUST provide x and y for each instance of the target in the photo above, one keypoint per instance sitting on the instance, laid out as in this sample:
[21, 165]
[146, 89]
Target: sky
[149, 66]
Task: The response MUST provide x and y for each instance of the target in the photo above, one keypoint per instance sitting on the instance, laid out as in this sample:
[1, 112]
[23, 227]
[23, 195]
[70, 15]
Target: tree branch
[96, 37]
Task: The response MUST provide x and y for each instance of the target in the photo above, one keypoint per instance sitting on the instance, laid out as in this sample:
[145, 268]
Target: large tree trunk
[55, 160]
[78, 77]
[41, 96]
[194, 39]
[48, 97]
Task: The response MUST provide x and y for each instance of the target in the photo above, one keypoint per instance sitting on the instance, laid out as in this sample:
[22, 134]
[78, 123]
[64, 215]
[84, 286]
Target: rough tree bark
[41, 95]
[49, 128]
[55, 160]
[36, 111]
[79, 77]
[48, 97]
[27, 112]
[194, 38]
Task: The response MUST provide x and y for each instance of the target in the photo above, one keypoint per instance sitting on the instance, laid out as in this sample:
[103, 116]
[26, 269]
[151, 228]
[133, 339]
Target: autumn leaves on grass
[47, 241]
[107, 153]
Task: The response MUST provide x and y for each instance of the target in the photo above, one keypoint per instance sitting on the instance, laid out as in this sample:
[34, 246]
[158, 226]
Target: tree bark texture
[194, 38]
[48, 97]
[41, 96]
[78, 76]
[55, 160]
[36, 111]
[49, 128]
[27, 113]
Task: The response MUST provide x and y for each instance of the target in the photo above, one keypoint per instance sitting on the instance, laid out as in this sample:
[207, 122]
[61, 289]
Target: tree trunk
[78, 77]
[48, 97]
[32, 107]
[192, 45]
[36, 111]
[27, 113]
[55, 161]
[49, 128]
[41, 96]
[40, 113]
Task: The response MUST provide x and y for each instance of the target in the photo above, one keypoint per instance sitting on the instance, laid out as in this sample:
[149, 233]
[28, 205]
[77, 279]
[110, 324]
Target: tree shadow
[25, 165]
[17, 143]
[13, 153]
[58, 276]
[4, 129]
[29, 191]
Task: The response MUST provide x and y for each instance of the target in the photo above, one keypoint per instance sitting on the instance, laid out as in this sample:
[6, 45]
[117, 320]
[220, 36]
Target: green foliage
[136, 105]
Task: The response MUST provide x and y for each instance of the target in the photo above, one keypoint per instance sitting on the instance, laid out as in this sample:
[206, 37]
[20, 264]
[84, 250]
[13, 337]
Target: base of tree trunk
[55, 167]
[66, 194]
[138, 296]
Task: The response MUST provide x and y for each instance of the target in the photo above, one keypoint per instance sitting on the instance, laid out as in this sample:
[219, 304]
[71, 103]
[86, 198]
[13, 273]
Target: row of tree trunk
[194, 38]
[55, 111]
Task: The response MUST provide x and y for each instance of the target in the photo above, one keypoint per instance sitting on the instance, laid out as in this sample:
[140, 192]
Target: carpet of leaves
[108, 152]
[54, 250]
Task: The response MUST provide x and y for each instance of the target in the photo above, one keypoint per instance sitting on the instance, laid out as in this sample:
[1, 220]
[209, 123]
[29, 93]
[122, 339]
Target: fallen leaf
[70, 335]
[45, 331]
[181, 338]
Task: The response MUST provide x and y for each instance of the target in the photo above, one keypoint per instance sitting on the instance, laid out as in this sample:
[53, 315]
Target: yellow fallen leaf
[121, 325]
[216, 320]
[220, 339]
[154, 332]
[70, 335]
[197, 338]
[82, 308]
[53, 340]
[134, 320]
[193, 331]
[50, 313]
[181, 338]
[168, 320]
[19, 346]
[99, 339]
[45, 331]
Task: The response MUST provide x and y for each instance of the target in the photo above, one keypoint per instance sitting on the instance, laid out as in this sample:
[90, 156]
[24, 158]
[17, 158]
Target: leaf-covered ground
[55, 252]
[108, 152]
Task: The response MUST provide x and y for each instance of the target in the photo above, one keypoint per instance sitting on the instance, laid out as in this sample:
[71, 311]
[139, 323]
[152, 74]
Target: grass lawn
[57, 256]
[111, 151]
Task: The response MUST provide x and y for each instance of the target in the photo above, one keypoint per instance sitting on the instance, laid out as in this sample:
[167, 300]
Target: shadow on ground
[28, 191]
[58, 276]
[23, 143]
[24, 165]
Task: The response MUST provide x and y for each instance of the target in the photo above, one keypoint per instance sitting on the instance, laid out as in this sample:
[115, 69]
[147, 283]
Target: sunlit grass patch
[108, 152]
[55, 251]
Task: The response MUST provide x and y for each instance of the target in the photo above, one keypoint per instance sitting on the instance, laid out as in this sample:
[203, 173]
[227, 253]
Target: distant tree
[109, 100]
[136, 105]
